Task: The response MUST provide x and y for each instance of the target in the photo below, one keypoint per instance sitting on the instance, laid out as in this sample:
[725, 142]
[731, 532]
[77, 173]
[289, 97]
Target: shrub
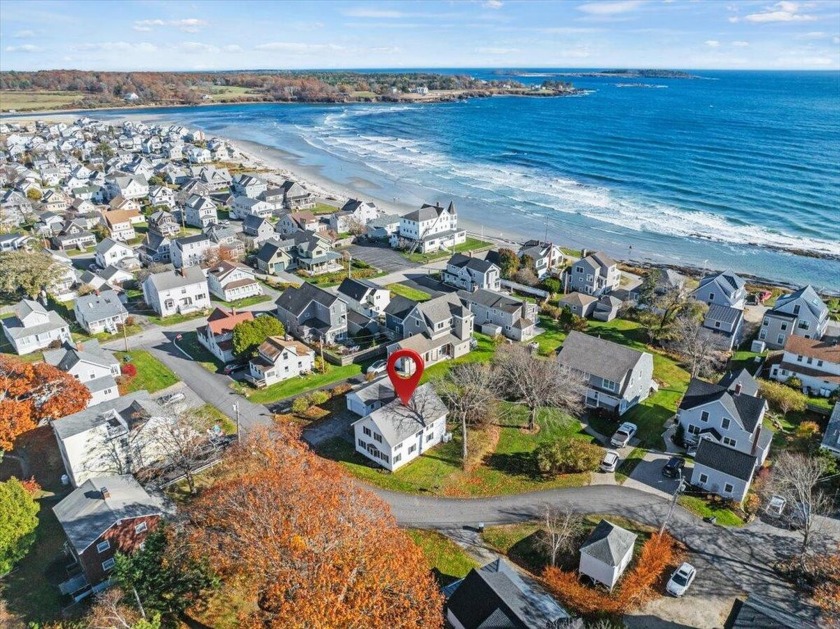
[320, 365]
[567, 456]
[301, 404]
[552, 312]
[552, 285]
[130, 320]
[128, 370]
[54, 344]
[341, 389]
[318, 397]
[794, 383]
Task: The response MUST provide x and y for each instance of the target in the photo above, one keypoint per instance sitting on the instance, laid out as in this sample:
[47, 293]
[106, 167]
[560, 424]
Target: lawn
[629, 464]
[470, 244]
[152, 375]
[701, 507]
[408, 292]
[483, 353]
[300, 384]
[447, 560]
[241, 303]
[34, 100]
[214, 415]
[507, 470]
[189, 343]
[176, 318]
[323, 208]
[552, 338]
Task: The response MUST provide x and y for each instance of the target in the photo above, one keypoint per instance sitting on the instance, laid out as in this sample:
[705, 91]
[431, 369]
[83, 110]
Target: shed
[606, 553]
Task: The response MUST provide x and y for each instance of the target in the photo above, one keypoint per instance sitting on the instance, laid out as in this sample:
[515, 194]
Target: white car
[681, 579]
[610, 461]
[378, 367]
[623, 435]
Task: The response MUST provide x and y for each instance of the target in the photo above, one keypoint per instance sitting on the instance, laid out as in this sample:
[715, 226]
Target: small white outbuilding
[606, 553]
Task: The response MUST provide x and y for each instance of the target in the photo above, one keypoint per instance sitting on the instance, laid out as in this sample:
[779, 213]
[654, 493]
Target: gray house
[499, 314]
[471, 273]
[100, 313]
[724, 288]
[802, 313]
[579, 304]
[547, 257]
[724, 324]
[309, 312]
[722, 470]
[595, 274]
[33, 327]
[617, 377]
[364, 296]
[831, 439]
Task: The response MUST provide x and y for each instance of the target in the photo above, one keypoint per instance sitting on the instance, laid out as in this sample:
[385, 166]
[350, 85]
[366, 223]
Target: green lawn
[552, 338]
[152, 375]
[519, 543]
[629, 464]
[189, 343]
[470, 244]
[408, 292]
[481, 354]
[215, 416]
[300, 384]
[176, 318]
[703, 508]
[448, 560]
[241, 303]
[323, 208]
[507, 470]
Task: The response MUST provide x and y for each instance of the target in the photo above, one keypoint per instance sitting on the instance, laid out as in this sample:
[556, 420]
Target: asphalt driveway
[382, 257]
[648, 476]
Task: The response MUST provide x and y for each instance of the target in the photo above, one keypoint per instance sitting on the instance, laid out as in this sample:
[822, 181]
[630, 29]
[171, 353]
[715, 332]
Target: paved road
[743, 558]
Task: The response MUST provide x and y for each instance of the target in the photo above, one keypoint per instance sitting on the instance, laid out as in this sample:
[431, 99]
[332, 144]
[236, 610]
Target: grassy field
[300, 384]
[408, 292]
[470, 244]
[241, 303]
[189, 343]
[447, 560]
[176, 318]
[215, 416]
[483, 353]
[323, 208]
[701, 507]
[32, 101]
[152, 375]
[509, 469]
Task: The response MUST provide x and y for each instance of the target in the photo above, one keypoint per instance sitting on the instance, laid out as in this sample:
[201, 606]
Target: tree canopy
[18, 524]
[248, 335]
[29, 393]
[25, 274]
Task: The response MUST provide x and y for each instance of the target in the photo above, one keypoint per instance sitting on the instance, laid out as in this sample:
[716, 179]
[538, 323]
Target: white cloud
[493, 4]
[117, 46]
[780, 12]
[187, 25]
[194, 47]
[27, 34]
[610, 8]
[811, 35]
[496, 51]
[741, 44]
[296, 48]
[373, 13]
[232, 48]
[23, 48]
[712, 43]
[835, 40]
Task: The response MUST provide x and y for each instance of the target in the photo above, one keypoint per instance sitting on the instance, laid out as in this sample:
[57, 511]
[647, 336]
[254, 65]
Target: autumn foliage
[312, 547]
[636, 587]
[128, 370]
[29, 393]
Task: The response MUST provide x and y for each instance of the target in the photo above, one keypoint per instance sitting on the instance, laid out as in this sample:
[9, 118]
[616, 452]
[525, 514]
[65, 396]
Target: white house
[396, 434]
[369, 397]
[198, 155]
[90, 365]
[471, 273]
[177, 292]
[192, 250]
[120, 224]
[33, 327]
[129, 186]
[722, 470]
[722, 288]
[247, 185]
[243, 207]
[229, 281]
[802, 313]
[199, 211]
[364, 296]
[547, 256]
[102, 312]
[606, 553]
[815, 362]
[217, 335]
[502, 314]
[353, 215]
[594, 274]
[429, 229]
[110, 252]
[278, 359]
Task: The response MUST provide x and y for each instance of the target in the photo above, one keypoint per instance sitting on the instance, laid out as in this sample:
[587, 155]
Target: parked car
[681, 579]
[623, 435]
[378, 367]
[673, 468]
[172, 398]
[776, 507]
[610, 461]
[229, 369]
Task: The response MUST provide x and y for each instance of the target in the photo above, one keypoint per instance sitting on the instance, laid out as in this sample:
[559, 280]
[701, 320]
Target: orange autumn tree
[30, 393]
[312, 547]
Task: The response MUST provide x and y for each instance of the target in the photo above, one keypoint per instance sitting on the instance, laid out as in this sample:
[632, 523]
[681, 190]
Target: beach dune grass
[25, 100]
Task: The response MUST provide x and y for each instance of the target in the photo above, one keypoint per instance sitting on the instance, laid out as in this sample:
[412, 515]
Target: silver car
[681, 579]
[623, 435]
[610, 461]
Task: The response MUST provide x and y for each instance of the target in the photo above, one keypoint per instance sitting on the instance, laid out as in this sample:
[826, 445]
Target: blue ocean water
[732, 170]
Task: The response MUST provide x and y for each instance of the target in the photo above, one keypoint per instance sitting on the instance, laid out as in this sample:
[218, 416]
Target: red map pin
[405, 385]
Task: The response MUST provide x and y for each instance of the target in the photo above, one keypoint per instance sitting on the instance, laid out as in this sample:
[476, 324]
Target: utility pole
[236, 410]
[125, 337]
[139, 604]
[673, 504]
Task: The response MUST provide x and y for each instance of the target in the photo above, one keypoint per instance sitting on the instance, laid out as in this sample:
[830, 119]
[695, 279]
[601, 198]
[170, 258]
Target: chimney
[738, 388]
[105, 493]
[755, 441]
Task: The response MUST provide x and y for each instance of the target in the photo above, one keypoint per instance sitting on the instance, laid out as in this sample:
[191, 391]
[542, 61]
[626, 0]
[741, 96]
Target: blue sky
[220, 35]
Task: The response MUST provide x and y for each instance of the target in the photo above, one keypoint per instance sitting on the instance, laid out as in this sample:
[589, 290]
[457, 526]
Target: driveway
[648, 476]
[381, 257]
[336, 425]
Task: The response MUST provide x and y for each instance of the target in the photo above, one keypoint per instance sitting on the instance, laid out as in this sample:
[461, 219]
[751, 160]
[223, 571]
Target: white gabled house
[471, 273]
[199, 211]
[431, 228]
[90, 365]
[177, 292]
[722, 288]
[109, 252]
[802, 313]
[102, 312]
[606, 553]
[815, 362]
[33, 327]
[278, 359]
[229, 281]
[395, 434]
[370, 397]
[364, 296]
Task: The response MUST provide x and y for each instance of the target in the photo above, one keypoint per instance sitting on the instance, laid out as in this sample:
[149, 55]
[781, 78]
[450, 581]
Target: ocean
[737, 170]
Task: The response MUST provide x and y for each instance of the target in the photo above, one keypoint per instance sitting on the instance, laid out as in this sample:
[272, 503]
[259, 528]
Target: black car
[673, 468]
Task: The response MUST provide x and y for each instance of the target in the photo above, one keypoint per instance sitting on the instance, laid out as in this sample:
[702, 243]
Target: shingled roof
[608, 543]
[744, 407]
[725, 459]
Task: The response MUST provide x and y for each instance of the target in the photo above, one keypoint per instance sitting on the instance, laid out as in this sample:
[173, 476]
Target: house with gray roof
[90, 365]
[177, 292]
[298, 250]
[110, 252]
[831, 438]
[594, 274]
[113, 437]
[364, 296]
[429, 229]
[396, 434]
[33, 327]
[606, 309]
[200, 211]
[606, 553]
[547, 257]
[723, 470]
[192, 250]
[724, 288]
[617, 377]
[104, 516]
[257, 230]
[311, 313]
[383, 227]
[579, 304]
[469, 273]
[354, 214]
[102, 312]
[496, 595]
[495, 313]
[802, 313]
[757, 613]
[724, 326]
[369, 397]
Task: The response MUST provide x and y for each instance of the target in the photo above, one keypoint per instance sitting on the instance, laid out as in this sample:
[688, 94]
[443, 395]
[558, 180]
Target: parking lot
[381, 257]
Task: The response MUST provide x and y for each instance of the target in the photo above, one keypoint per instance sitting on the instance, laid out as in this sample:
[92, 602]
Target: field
[408, 292]
[152, 375]
[32, 101]
[299, 384]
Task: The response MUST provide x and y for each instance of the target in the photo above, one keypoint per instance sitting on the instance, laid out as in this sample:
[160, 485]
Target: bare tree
[560, 528]
[112, 610]
[797, 477]
[538, 383]
[118, 448]
[183, 442]
[470, 391]
[695, 344]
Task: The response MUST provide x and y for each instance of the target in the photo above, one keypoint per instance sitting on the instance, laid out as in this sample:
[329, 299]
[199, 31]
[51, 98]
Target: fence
[527, 290]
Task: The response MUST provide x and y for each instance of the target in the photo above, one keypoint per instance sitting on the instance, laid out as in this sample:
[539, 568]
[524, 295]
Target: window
[763, 335]
[717, 324]
[578, 269]
[765, 322]
[729, 442]
[108, 564]
[819, 363]
[725, 423]
[377, 437]
[727, 488]
[609, 385]
[398, 458]
[429, 437]
[704, 479]
[810, 360]
[704, 416]
[361, 443]
[140, 528]
[804, 325]
[783, 326]
[693, 430]
[384, 457]
[796, 309]
[366, 430]
[412, 449]
[101, 547]
[711, 296]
